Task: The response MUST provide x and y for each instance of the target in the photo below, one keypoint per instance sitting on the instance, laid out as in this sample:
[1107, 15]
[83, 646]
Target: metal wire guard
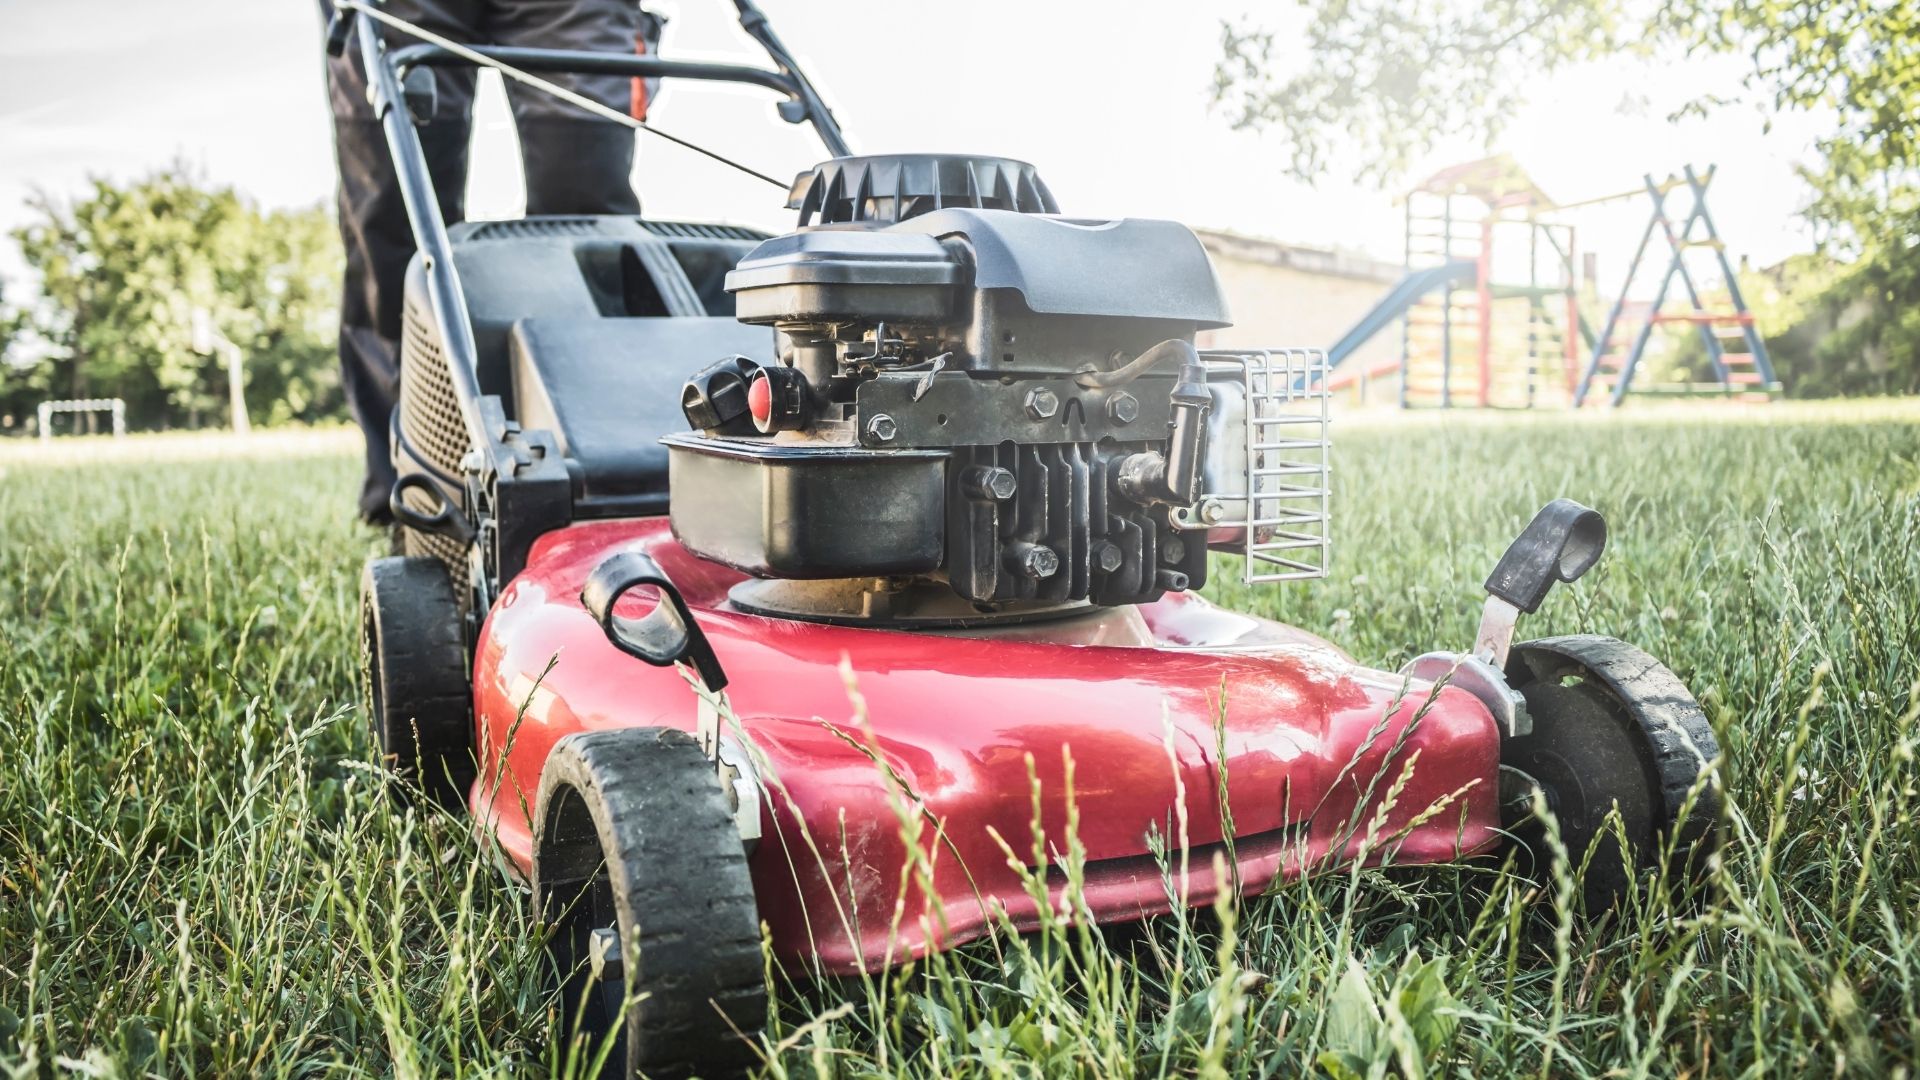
[1283, 508]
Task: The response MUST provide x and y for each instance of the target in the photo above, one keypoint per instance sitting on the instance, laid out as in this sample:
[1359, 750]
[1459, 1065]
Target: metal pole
[1484, 295]
[755, 23]
[1446, 306]
[1676, 267]
[1679, 244]
[1570, 345]
[1755, 344]
[1406, 319]
[1536, 311]
[1640, 341]
[1620, 302]
[236, 388]
[444, 296]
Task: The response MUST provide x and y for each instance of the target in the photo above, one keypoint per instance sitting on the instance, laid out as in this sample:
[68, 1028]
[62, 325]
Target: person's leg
[575, 163]
[373, 227]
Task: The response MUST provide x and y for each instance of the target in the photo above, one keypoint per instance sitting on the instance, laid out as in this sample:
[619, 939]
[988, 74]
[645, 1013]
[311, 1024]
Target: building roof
[1222, 244]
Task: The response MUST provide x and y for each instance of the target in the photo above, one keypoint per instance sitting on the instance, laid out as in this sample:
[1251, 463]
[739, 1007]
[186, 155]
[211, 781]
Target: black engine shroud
[970, 390]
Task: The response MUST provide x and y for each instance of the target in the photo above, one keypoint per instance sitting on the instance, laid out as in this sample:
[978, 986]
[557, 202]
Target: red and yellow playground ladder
[1485, 344]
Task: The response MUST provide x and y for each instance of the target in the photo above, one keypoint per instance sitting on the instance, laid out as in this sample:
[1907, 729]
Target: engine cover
[972, 394]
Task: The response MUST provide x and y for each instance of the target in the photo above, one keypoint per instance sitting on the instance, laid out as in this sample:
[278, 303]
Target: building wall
[1279, 295]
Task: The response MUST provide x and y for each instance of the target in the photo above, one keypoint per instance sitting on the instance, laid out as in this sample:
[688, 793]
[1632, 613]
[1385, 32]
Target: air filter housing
[885, 188]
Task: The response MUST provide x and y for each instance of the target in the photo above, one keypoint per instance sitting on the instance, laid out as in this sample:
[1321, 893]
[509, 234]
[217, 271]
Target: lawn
[199, 875]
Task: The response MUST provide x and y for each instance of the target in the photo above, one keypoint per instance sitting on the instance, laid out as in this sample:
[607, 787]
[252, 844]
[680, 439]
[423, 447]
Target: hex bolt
[1211, 511]
[989, 482]
[1173, 550]
[1107, 556]
[1123, 408]
[882, 428]
[603, 952]
[1033, 560]
[1042, 403]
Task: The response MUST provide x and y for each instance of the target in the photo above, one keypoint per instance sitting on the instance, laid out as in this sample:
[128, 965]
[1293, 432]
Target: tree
[123, 270]
[15, 376]
[1385, 81]
[9, 325]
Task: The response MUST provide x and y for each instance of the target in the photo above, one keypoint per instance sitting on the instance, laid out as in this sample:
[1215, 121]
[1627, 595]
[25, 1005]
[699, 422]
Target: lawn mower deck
[1163, 707]
[798, 580]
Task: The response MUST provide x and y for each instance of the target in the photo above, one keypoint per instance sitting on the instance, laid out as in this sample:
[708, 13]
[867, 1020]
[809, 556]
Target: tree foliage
[1384, 82]
[15, 377]
[10, 322]
[122, 272]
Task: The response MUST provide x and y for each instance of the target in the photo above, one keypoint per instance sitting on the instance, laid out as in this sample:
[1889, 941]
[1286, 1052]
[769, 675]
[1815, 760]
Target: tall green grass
[199, 875]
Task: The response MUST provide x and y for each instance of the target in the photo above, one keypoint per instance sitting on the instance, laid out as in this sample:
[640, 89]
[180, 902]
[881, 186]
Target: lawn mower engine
[981, 410]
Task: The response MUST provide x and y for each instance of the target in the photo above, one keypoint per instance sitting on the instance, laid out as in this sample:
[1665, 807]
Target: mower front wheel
[640, 875]
[1612, 726]
[414, 671]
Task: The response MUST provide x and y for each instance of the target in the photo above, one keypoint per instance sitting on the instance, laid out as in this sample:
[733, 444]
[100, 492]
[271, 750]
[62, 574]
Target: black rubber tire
[414, 678]
[1612, 725]
[633, 830]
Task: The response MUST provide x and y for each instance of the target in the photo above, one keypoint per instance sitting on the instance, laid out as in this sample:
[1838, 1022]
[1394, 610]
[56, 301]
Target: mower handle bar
[580, 62]
[575, 62]
[446, 300]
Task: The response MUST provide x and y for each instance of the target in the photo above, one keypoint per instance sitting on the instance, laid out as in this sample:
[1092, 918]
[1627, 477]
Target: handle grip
[339, 28]
[1562, 542]
[662, 637]
[445, 521]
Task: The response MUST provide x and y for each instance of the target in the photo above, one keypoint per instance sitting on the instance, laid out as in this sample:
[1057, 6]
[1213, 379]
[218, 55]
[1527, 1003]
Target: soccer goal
[116, 406]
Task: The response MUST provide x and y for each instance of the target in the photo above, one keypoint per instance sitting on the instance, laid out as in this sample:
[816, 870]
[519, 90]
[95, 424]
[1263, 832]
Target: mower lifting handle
[662, 637]
[1562, 542]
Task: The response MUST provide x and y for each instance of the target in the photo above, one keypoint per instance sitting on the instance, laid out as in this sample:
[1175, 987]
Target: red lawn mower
[948, 449]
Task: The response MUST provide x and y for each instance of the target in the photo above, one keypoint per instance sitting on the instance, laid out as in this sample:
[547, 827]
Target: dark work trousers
[575, 163]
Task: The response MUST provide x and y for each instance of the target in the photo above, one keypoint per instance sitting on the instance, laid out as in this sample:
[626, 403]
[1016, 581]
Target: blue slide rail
[1392, 306]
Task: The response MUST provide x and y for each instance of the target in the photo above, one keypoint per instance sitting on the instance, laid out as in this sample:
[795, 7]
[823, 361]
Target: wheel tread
[1629, 703]
[416, 667]
[1679, 737]
[660, 814]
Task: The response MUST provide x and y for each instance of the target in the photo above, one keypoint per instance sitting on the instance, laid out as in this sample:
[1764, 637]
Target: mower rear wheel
[1612, 726]
[414, 674]
[639, 872]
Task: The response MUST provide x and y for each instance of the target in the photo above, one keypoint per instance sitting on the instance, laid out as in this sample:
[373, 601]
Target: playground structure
[114, 406]
[1741, 370]
[1493, 310]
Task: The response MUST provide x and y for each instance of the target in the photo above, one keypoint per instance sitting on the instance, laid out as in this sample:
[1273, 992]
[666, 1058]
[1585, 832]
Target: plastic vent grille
[884, 188]
[535, 227]
[431, 424]
[692, 230]
[1283, 505]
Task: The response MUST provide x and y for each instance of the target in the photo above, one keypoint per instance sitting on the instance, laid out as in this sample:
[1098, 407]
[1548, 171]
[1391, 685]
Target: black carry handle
[447, 521]
[1562, 542]
[662, 637]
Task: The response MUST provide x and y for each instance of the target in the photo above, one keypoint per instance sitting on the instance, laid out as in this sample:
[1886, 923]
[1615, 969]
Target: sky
[1109, 99]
